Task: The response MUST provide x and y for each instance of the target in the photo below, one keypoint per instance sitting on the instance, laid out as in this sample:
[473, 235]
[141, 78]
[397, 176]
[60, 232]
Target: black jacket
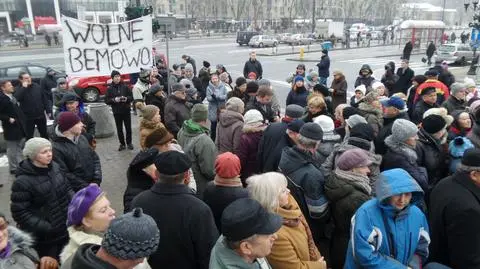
[454, 221]
[117, 90]
[408, 48]
[453, 104]
[431, 156]
[33, 102]
[76, 161]
[189, 228]
[267, 113]
[16, 130]
[86, 258]
[420, 108]
[176, 112]
[385, 131]
[39, 201]
[404, 81]
[324, 67]
[137, 182]
[253, 66]
[219, 197]
[431, 50]
[48, 83]
[271, 144]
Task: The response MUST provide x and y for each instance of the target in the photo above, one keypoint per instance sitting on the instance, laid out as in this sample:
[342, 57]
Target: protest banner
[93, 49]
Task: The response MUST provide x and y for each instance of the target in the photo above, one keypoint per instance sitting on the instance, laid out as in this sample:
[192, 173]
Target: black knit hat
[312, 131]
[295, 125]
[172, 163]
[252, 87]
[433, 123]
[240, 81]
[363, 131]
[471, 158]
[349, 111]
[144, 158]
[206, 64]
[114, 73]
[134, 235]
[419, 79]
[427, 90]
[321, 89]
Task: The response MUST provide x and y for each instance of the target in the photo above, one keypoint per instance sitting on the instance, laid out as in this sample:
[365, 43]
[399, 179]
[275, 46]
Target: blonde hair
[266, 188]
[316, 101]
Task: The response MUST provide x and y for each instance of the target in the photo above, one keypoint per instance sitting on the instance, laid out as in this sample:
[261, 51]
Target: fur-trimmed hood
[253, 129]
[19, 239]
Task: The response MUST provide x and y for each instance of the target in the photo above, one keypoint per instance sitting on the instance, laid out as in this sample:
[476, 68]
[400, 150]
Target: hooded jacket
[452, 104]
[225, 258]
[368, 80]
[248, 150]
[216, 96]
[201, 150]
[373, 115]
[176, 112]
[22, 251]
[385, 131]
[229, 131]
[378, 229]
[327, 145]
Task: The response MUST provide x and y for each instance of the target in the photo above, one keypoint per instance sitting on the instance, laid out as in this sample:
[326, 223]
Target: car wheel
[463, 61]
[90, 94]
[260, 45]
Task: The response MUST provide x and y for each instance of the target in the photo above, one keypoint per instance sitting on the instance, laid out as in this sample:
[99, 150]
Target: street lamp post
[475, 25]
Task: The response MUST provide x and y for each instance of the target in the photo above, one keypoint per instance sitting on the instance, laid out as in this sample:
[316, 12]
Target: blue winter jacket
[369, 245]
[216, 96]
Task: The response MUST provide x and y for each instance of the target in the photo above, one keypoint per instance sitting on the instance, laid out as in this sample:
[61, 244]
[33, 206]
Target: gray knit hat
[294, 111]
[235, 104]
[131, 236]
[34, 145]
[312, 131]
[403, 129]
[456, 87]
[354, 120]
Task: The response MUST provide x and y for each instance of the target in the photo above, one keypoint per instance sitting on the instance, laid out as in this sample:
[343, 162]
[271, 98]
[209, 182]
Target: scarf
[363, 182]
[227, 182]
[5, 253]
[312, 248]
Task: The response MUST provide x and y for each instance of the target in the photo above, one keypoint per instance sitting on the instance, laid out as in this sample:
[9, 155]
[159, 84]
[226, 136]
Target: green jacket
[224, 258]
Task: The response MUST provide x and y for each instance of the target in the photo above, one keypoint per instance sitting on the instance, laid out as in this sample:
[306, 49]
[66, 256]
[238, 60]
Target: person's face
[339, 114]
[283, 196]
[62, 86]
[314, 78]
[181, 94]
[188, 73]
[51, 73]
[99, 215]
[243, 87]
[336, 76]
[26, 78]
[464, 121]
[401, 201]
[264, 100]
[430, 98]
[365, 73]
[358, 94]
[412, 141]
[156, 118]
[44, 156]
[153, 80]
[159, 94]
[460, 95]
[215, 80]
[391, 111]
[261, 246]
[116, 79]
[381, 91]
[300, 71]
[403, 64]
[253, 55]
[154, 72]
[314, 110]
[77, 129]
[164, 147]
[72, 106]
[364, 171]
[3, 234]
[8, 88]
[299, 83]
[439, 135]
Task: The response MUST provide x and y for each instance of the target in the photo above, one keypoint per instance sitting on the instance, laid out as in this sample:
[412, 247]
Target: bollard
[302, 51]
[100, 113]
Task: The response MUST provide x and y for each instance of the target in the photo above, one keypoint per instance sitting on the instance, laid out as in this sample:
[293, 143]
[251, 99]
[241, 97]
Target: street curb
[317, 50]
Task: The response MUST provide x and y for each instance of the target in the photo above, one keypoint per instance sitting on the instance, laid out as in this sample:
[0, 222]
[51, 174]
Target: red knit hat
[227, 165]
[67, 120]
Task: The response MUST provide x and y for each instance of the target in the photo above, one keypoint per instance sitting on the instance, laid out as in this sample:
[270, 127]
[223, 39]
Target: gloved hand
[214, 96]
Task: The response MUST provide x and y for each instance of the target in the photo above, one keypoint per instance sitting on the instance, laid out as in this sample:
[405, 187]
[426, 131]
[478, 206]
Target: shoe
[130, 146]
[122, 147]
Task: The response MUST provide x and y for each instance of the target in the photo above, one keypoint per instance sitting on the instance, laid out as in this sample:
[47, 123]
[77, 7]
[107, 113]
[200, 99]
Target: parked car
[455, 53]
[36, 71]
[91, 88]
[261, 41]
[283, 38]
[300, 39]
[244, 37]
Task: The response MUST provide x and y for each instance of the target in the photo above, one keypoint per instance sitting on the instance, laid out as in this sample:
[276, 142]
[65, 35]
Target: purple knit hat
[81, 203]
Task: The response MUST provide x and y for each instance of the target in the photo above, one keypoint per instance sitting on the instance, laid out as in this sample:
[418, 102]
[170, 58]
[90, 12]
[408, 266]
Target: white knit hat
[252, 117]
[361, 88]
[377, 84]
[325, 122]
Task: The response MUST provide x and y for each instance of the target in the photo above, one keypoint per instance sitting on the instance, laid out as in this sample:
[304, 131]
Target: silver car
[261, 41]
[455, 53]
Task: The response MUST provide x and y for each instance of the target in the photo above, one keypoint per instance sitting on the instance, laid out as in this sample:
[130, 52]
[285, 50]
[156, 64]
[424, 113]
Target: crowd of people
[387, 179]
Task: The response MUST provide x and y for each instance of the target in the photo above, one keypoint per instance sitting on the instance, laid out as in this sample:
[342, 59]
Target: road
[224, 51]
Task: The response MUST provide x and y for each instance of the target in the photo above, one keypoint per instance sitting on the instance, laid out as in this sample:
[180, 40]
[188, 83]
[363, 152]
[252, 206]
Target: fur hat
[159, 136]
[235, 104]
[149, 111]
[441, 111]
[253, 117]
[361, 88]
[325, 122]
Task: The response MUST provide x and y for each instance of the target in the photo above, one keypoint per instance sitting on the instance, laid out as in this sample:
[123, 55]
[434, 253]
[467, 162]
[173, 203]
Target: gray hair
[265, 189]
[307, 143]
[233, 245]
[263, 82]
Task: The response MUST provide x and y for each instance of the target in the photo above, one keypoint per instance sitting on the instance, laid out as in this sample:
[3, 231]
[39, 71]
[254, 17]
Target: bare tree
[238, 8]
[256, 5]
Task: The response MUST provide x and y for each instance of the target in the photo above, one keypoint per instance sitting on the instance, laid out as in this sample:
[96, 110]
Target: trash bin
[327, 45]
[100, 113]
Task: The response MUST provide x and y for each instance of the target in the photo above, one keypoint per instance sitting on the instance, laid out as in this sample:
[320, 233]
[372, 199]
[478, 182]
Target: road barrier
[100, 113]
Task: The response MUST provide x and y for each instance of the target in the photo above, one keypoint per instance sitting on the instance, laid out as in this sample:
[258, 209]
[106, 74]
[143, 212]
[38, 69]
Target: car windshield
[447, 48]
[254, 37]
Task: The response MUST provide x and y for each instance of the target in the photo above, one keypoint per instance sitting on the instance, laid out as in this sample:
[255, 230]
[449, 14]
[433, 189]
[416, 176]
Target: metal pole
[30, 17]
[57, 11]
[186, 19]
[443, 11]
[168, 60]
[313, 15]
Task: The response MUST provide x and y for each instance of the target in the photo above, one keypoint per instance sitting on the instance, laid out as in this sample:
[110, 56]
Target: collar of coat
[169, 189]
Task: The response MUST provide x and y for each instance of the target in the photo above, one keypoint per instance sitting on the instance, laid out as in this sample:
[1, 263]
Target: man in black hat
[248, 236]
[324, 68]
[455, 216]
[190, 230]
[428, 100]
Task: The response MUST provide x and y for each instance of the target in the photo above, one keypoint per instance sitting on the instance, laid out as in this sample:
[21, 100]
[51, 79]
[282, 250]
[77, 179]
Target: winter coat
[400, 155]
[47, 83]
[219, 197]
[306, 183]
[324, 67]
[339, 94]
[373, 116]
[474, 135]
[176, 112]
[137, 182]
[33, 102]
[216, 96]
[407, 50]
[236, 93]
[298, 97]
[58, 95]
[139, 90]
[346, 194]
[310, 84]
[431, 50]
[326, 146]
[389, 79]
[76, 160]
[442, 90]
[225, 258]
[431, 156]
[404, 81]
[290, 249]
[405, 232]
[266, 110]
[385, 131]
[271, 145]
[146, 128]
[253, 66]
[420, 108]
[201, 150]
[86, 258]
[118, 90]
[229, 131]
[87, 120]
[248, 150]
[453, 104]
[11, 131]
[454, 221]
[39, 202]
[367, 80]
[174, 207]
[21, 252]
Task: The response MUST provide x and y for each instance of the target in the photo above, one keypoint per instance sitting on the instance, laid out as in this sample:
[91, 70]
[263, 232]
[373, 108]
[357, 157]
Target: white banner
[92, 49]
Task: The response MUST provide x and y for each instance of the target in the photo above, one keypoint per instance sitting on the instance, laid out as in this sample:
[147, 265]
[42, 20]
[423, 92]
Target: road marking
[206, 46]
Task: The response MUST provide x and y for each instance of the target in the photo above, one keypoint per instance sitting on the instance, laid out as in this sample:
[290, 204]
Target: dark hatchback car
[244, 37]
[36, 71]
